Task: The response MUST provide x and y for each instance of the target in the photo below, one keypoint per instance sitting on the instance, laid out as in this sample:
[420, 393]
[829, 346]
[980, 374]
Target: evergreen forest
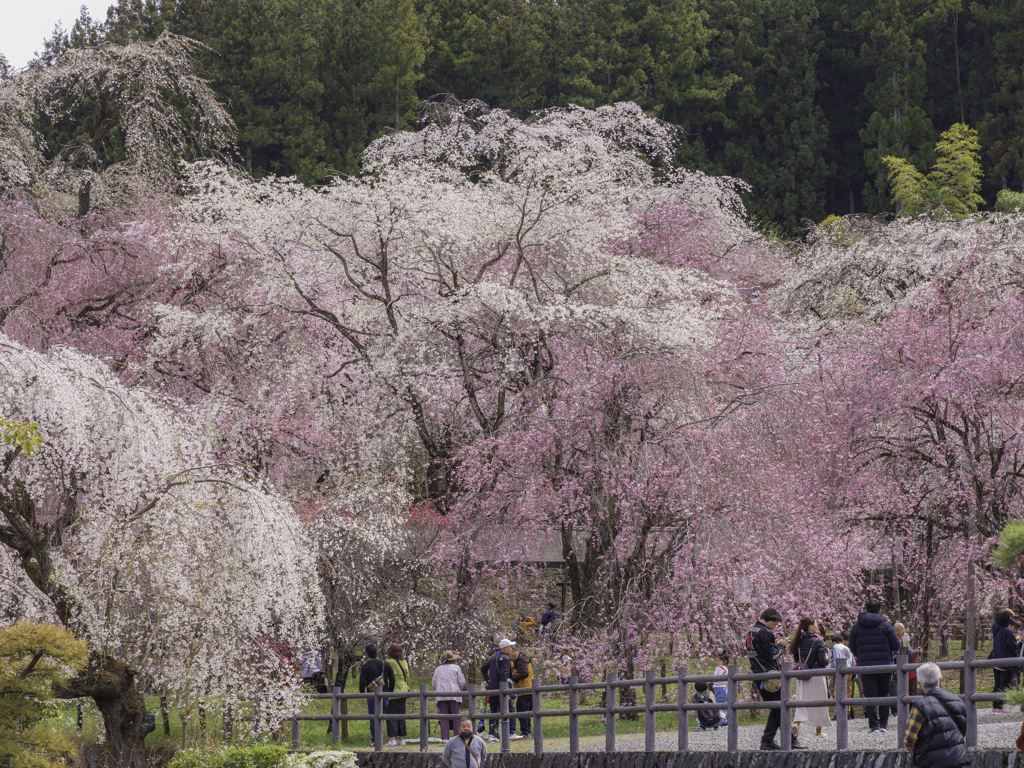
[801, 99]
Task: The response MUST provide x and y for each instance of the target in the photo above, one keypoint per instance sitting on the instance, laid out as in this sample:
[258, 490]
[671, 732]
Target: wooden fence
[682, 681]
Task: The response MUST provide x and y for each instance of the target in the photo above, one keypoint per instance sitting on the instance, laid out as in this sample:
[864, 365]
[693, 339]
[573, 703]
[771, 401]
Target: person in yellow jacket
[396, 706]
[522, 679]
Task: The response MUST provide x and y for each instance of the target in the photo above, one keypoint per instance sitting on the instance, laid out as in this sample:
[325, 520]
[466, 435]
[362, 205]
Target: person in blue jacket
[873, 642]
[1004, 646]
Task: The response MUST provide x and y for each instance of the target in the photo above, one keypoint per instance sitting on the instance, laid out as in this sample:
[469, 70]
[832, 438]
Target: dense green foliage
[33, 659]
[259, 756]
[803, 99]
[952, 184]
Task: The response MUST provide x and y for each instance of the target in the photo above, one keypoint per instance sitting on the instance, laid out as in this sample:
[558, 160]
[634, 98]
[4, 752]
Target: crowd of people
[505, 663]
[937, 723]
[936, 717]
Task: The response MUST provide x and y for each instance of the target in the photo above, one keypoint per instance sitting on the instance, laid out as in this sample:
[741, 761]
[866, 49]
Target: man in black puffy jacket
[873, 642]
[937, 726]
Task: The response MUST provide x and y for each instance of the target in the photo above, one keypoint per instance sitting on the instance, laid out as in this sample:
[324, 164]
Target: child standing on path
[722, 686]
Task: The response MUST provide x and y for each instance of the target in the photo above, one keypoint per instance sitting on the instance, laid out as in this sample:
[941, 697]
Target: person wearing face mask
[465, 749]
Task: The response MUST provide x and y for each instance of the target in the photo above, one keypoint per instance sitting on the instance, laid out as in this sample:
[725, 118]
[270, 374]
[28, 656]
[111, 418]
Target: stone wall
[979, 759]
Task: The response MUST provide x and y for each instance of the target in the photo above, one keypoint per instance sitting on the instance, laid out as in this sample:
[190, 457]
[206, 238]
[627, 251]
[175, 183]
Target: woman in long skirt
[810, 649]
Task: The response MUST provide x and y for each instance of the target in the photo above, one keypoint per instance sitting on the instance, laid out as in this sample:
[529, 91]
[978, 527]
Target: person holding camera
[763, 652]
[465, 749]
[1004, 646]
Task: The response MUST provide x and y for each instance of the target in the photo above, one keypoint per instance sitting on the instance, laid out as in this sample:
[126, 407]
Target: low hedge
[261, 757]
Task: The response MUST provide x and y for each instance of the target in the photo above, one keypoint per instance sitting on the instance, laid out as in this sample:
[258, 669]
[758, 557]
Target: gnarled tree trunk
[111, 684]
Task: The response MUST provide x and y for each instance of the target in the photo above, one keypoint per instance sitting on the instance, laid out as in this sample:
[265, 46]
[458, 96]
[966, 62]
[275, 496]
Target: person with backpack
[396, 706]
[809, 652]
[707, 719]
[1004, 646]
[375, 672]
[764, 652]
[937, 726]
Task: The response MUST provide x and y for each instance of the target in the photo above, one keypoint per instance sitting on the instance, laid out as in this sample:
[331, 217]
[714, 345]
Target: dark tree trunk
[84, 197]
[111, 684]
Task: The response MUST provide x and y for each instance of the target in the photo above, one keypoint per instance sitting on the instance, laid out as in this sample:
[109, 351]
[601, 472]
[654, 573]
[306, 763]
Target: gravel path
[994, 732]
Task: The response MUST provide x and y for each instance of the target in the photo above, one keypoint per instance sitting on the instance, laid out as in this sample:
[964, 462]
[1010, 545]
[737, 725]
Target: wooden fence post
[649, 724]
[424, 723]
[506, 744]
[538, 721]
[842, 726]
[471, 706]
[335, 711]
[295, 732]
[574, 719]
[378, 731]
[682, 715]
[786, 735]
[902, 709]
[609, 712]
[970, 678]
[733, 737]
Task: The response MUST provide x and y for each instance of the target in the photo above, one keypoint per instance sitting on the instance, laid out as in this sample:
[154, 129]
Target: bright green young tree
[34, 659]
[953, 182]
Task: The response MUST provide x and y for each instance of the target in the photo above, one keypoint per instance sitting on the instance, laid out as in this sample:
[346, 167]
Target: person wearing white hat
[522, 681]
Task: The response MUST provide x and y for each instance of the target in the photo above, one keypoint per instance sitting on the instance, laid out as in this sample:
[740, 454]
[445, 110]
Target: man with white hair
[937, 725]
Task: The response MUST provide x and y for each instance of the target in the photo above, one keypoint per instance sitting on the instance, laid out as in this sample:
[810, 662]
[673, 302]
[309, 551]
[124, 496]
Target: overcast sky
[26, 23]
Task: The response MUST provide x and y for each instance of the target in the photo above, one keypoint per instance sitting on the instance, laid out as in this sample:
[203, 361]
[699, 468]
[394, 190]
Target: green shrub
[322, 759]
[1009, 202]
[231, 757]
[33, 659]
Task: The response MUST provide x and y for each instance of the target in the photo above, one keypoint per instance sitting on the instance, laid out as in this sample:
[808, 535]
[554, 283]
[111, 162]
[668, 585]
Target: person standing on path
[497, 669]
[873, 642]
[841, 651]
[465, 749]
[375, 672]
[937, 727]
[522, 679]
[809, 649]
[764, 652]
[910, 653]
[396, 706]
[447, 678]
[721, 687]
[1004, 646]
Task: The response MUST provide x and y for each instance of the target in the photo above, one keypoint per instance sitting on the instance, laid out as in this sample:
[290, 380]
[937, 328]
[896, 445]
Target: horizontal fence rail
[681, 681]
